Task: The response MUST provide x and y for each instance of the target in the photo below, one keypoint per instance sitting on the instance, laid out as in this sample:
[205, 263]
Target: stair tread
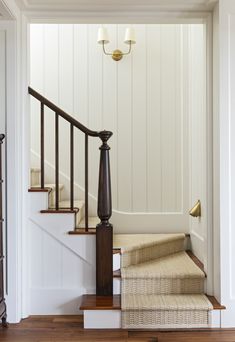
[166, 302]
[130, 242]
[94, 302]
[177, 265]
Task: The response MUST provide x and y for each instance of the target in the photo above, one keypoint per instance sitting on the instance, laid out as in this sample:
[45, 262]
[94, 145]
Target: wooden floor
[70, 329]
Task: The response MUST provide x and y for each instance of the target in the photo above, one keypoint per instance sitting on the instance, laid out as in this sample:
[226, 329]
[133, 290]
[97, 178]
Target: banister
[104, 230]
[62, 113]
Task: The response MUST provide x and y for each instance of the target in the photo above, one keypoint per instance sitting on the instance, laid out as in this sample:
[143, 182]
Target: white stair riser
[102, 319]
[35, 178]
[51, 197]
[116, 262]
[116, 286]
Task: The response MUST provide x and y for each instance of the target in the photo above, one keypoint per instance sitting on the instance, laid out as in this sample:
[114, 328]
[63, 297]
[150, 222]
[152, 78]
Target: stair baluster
[71, 167]
[42, 146]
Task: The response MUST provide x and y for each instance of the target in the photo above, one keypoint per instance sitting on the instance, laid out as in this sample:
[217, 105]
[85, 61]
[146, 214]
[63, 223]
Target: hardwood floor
[70, 329]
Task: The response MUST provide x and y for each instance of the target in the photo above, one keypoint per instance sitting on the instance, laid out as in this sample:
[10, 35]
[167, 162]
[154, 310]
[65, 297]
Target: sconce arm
[111, 53]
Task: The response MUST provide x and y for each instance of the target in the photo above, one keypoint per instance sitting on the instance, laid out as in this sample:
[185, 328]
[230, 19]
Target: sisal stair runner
[161, 285]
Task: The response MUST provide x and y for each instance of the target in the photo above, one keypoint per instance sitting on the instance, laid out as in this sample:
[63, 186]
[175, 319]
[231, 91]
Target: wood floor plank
[70, 329]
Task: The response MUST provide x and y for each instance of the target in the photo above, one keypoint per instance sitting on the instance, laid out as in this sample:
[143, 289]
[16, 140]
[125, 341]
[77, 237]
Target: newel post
[104, 230]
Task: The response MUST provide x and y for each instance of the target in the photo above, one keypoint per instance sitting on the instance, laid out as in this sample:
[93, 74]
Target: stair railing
[104, 270]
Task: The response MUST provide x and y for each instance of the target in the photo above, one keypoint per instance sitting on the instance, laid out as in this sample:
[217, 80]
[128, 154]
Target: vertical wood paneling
[168, 117]
[52, 261]
[139, 177]
[94, 103]
[36, 80]
[124, 127]
[66, 86]
[143, 99]
[36, 261]
[110, 105]
[81, 98]
[72, 276]
[154, 117]
[51, 84]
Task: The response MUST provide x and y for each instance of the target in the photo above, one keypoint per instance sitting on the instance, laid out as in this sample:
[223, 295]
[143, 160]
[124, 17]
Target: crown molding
[53, 9]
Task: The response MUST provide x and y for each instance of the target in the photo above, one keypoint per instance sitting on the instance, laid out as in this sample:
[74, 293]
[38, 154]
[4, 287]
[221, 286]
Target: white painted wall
[144, 99]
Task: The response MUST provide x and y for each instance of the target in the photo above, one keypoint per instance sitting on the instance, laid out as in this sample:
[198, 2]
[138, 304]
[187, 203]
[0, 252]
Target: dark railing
[2, 300]
[104, 236]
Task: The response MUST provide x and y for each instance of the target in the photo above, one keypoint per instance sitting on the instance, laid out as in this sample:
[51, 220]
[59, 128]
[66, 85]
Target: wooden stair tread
[93, 302]
[215, 303]
[35, 189]
[117, 274]
[60, 211]
[116, 250]
[82, 231]
[196, 261]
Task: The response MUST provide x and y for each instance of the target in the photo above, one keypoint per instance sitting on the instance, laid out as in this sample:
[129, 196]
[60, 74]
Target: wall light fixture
[117, 54]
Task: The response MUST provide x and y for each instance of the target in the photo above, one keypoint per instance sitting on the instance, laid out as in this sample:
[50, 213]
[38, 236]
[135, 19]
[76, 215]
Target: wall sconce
[116, 54]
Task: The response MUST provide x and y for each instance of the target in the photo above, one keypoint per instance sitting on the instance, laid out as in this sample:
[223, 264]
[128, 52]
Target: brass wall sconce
[196, 210]
[117, 54]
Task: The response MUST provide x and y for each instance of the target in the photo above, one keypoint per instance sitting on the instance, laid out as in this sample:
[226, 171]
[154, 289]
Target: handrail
[62, 113]
[104, 236]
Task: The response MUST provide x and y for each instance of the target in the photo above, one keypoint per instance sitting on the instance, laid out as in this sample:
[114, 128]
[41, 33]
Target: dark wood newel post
[104, 230]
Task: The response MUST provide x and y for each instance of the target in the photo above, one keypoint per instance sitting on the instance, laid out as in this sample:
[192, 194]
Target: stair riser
[163, 286]
[156, 319]
[51, 198]
[35, 177]
[151, 252]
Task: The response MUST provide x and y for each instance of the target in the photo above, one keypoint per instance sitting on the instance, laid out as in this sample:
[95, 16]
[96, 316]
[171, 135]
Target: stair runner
[161, 285]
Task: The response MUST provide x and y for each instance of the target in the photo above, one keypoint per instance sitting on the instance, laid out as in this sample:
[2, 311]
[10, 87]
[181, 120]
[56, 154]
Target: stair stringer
[68, 269]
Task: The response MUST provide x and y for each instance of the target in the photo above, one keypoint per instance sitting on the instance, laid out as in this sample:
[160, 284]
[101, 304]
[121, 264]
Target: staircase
[160, 285]
[143, 281]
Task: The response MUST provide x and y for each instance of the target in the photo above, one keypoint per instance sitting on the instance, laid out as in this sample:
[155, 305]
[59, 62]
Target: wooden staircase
[103, 309]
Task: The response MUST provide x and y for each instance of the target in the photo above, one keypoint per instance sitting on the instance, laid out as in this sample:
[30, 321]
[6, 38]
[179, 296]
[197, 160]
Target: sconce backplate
[117, 55]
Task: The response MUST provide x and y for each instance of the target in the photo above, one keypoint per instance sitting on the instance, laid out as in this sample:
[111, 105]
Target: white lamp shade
[103, 37]
[130, 36]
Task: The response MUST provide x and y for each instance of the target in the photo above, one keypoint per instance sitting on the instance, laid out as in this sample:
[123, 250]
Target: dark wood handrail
[62, 113]
[104, 236]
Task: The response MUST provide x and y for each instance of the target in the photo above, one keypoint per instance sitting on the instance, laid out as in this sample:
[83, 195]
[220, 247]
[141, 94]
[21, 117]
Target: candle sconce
[117, 54]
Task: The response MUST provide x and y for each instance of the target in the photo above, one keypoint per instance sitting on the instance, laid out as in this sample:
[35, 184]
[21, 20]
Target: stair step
[165, 311]
[66, 205]
[172, 274]
[82, 231]
[92, 222]
[214, 302]
[47, 186]
[138, 248]
[93, 302]
[36, 189]
[117, 274]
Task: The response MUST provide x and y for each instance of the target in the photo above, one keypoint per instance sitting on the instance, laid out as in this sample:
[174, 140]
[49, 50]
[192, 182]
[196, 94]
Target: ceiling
[4, 12]
[62, 7]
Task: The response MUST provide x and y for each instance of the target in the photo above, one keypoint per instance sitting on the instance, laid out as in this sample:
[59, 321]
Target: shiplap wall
[143, 99]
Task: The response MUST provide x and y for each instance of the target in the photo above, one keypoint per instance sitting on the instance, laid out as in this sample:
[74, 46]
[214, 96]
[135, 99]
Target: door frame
[20, 243]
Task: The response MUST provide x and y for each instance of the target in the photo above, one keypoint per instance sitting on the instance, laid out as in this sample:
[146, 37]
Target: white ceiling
[4, 12]
[114, 5]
